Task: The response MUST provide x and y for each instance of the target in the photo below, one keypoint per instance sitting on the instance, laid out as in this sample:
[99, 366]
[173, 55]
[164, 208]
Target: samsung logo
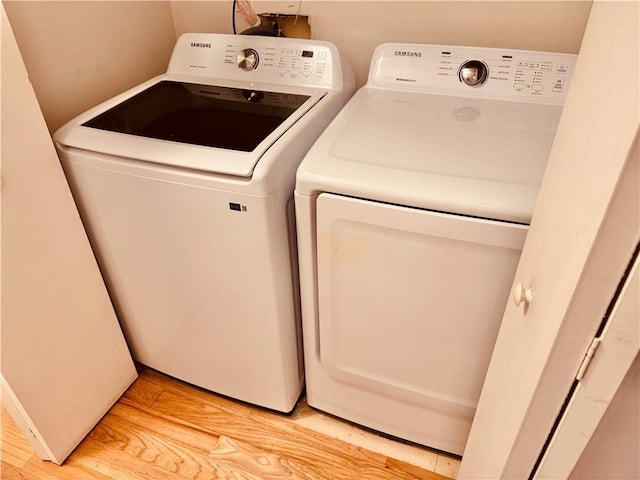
[406, 53]
[200, 45]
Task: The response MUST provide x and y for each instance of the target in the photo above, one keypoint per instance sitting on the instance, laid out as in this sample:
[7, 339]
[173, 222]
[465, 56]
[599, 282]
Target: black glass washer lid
[211, 116]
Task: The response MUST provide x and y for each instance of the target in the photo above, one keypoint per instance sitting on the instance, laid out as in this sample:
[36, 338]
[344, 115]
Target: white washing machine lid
[185, 122]
[472, 156]
[222, 105]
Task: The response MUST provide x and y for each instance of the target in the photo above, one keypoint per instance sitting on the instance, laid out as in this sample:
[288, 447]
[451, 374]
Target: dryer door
[410, 301]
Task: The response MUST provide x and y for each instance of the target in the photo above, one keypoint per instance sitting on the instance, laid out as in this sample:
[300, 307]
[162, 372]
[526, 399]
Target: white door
[64, 358]
[410, 301]
[583, 232]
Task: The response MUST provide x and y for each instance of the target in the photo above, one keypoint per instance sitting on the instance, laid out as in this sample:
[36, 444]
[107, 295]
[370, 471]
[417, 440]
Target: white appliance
[412, 208]
[185, 186]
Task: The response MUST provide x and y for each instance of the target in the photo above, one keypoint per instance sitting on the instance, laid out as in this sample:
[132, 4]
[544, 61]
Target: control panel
[472, 71]
[256, 59]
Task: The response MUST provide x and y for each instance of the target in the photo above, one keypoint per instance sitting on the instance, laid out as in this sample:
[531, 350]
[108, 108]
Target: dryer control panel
[257, 59]
[540, 77]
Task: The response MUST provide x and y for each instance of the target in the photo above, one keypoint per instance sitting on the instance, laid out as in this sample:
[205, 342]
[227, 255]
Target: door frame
[611, 357]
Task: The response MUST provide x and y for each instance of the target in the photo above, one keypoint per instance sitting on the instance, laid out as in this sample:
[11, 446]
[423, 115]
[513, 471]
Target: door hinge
[586, 361]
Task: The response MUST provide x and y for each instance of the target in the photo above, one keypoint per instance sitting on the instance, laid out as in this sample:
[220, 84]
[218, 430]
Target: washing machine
[412, 209]
[185, 186]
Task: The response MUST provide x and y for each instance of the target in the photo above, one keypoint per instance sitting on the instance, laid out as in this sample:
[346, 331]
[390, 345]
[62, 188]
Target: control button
[247, 59]
[322, 55]
[558, 84]
[561, 68]
[473, 73]
[537, 89]
[319, 69]
[307, 67]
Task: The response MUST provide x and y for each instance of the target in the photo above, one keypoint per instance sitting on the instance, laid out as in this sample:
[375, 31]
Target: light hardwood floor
[165, 429]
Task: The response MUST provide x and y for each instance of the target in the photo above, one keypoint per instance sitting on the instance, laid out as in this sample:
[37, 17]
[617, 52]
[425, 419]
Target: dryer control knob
[473, 73]
[247, 59]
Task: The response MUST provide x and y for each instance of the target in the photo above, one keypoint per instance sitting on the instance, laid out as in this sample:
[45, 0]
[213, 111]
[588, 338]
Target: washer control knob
[473, 73]
[247, 59]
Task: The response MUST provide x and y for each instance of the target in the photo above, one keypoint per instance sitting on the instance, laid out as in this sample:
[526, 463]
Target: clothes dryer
[412, 208]
[185, 187]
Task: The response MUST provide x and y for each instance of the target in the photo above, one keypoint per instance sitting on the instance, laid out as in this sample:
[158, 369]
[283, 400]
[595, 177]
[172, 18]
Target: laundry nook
[381, 240]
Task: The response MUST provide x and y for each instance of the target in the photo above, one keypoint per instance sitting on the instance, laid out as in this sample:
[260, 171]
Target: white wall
[357, 27]
[79, 53]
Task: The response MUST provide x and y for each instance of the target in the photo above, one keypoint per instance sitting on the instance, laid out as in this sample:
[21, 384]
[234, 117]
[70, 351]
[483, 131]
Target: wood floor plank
[38, 469]
[302, 410]
[145, 447]
[228, 405]
[14, 448]
[145, 390]
[9, 471]
[267, 430]
[147, 457]
[164, 429]
[259, 462]
[416, 471]
[187, 452]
